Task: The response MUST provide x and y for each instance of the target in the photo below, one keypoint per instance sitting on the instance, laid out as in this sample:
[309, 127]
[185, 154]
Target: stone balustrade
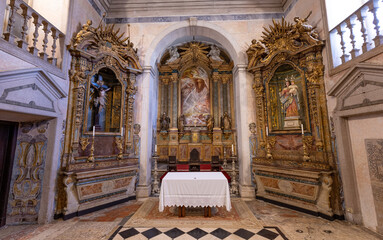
[31, 32]
[358, 33]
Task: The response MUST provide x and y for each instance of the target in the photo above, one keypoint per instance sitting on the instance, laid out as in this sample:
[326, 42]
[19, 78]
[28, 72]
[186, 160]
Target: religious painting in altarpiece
[195, 102]
[195, 96]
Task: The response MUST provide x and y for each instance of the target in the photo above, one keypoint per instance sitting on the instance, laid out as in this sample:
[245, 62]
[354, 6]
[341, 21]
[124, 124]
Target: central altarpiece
[195, 107]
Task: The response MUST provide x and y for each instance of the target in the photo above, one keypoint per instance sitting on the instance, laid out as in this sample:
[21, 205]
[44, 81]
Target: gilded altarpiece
[101, 147]
[195, 102]
[293, 160]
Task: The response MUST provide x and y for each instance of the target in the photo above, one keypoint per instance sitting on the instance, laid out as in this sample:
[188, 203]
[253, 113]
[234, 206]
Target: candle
[302, 129]
[267, 131]
[232, 148]
[94, 129]
[155, 148]
[122, 131]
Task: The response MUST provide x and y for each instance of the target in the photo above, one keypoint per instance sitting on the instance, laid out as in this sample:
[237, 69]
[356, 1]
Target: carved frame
[296, 44]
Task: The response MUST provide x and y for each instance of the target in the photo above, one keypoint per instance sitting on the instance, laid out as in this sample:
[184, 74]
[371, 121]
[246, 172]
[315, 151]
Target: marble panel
[374, 149]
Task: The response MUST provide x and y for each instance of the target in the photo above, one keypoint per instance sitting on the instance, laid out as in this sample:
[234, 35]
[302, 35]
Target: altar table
[194, 189]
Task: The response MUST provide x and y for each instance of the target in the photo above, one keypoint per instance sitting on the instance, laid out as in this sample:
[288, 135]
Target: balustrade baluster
[373, 8]
[33, 50]
[52, 59]
[361, 18]
[345, 56]
[44, 55]
[8, 36]
[22, 43]
[350, 25]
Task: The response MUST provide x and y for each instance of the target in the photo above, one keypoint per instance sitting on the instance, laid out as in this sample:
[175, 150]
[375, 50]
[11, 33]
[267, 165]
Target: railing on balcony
[358, 33]
[31, 32]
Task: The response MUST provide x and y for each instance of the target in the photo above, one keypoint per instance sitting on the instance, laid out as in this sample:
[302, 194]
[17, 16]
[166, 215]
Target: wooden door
[8, 137]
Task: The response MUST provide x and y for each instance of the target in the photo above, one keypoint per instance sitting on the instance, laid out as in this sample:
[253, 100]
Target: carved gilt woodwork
[102, 79]
[291, 112]
[209, 69]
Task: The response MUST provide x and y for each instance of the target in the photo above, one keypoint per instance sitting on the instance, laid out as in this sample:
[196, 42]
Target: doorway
[8, 139]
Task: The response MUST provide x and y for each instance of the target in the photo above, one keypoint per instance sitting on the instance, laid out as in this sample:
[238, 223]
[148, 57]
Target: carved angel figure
[304, 31]
[255, 52]
[174, 55]
[164, 122]
[86, 30]
[181, 123]
[214, 53]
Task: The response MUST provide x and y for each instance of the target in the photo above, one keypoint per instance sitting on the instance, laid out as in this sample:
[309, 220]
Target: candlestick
[94, 130]
[302, 129]
[267, 131]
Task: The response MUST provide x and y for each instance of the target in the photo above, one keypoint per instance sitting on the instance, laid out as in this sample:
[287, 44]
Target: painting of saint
[195, 96]
[289, 97]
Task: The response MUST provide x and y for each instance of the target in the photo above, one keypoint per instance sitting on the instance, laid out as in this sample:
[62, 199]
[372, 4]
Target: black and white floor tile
[267, 233]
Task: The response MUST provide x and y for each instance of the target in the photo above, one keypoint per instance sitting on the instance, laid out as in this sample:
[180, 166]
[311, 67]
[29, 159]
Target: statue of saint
[214, 53]
[164, 122]
[181, 123]
[174, 55]
[225, 121]
[289, 97]
[209, 123]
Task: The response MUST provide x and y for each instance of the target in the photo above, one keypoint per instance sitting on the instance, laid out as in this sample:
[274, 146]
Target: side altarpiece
[294, 161]
[101, 147]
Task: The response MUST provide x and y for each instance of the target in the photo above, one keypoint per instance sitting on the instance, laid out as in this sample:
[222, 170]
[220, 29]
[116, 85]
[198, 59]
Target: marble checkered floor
[266, 233]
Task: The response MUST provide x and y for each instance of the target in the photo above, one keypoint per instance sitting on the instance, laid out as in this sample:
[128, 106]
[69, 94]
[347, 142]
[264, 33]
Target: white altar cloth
[194, 189]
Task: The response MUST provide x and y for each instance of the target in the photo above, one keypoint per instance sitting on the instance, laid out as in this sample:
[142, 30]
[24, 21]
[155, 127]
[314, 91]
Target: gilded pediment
[282, 37]
[105, 40]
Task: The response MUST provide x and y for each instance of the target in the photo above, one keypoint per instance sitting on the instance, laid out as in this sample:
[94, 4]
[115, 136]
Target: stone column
[175, 104]
[148, 119]
[242, 84]
[215, 101]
